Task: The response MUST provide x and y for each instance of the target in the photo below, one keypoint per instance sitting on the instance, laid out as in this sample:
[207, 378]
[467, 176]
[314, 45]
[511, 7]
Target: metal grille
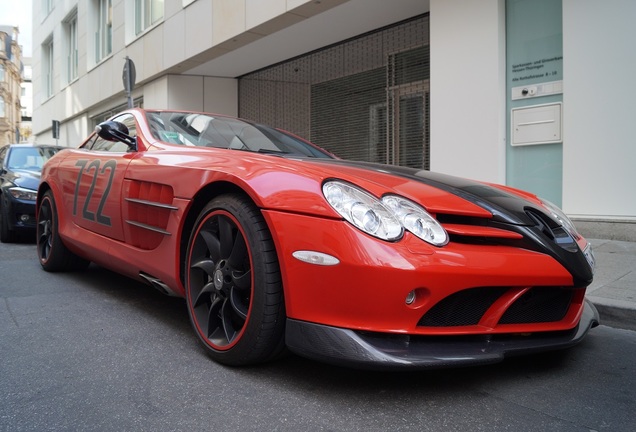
[363, 99]
[540, 304]
[462, 308]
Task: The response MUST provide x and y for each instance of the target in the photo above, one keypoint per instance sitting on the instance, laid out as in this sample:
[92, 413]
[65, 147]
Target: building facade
[26, 101]
[519, 92]
[10, 80]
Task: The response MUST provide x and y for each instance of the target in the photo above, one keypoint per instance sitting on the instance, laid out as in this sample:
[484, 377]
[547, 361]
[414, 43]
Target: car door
[93, 177]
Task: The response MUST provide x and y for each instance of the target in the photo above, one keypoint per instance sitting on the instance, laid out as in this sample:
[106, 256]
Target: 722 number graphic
[86, 167]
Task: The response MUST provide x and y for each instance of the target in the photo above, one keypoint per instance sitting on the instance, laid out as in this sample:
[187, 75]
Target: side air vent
[147, 211]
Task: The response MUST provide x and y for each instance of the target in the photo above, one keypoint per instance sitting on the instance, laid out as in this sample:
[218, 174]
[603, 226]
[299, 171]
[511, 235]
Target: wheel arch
[42, 189]
[199, 201]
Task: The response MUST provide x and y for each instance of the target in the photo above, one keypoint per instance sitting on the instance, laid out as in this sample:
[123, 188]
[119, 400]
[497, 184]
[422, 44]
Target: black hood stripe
[509, 212]
[505, 207]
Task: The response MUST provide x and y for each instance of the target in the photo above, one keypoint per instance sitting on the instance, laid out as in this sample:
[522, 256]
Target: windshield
[194, 129]
[30, 158]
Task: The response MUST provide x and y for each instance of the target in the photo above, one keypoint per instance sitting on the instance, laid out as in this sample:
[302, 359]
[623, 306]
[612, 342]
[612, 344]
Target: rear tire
[52, 253]
[233, 284]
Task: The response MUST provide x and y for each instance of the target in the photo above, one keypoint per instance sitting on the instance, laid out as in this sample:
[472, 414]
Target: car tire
[233, 284]
[54, 256]
[6, 234]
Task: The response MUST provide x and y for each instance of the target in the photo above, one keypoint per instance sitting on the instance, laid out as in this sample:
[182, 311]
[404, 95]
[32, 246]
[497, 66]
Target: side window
[100, 144]
[89, 144]
[129, 121]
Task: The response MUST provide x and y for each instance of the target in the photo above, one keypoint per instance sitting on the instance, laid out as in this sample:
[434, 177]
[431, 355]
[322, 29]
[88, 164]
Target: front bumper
[20, 214]
[382, 351]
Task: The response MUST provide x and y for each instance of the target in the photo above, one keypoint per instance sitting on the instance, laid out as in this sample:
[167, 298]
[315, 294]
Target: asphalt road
[96, 351]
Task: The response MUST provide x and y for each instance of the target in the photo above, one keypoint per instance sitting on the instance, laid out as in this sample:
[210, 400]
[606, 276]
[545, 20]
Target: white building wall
[190, 34]
[468, 129]
[220, 95]
[185, 38]
[599, 149]
[468, 99]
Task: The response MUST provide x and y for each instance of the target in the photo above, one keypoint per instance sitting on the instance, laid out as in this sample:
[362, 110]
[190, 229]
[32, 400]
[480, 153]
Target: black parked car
[20, 167]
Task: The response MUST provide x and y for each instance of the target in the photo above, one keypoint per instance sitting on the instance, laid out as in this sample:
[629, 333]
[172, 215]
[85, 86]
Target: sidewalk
[613, 290]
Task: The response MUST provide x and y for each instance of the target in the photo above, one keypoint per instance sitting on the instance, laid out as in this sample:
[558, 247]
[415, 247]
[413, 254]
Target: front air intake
[462, 308]
[539, 304]
[470, 307]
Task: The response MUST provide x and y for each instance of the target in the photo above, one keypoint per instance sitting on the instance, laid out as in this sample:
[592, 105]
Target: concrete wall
[468, 104]
[599, 150]
[468, 98]
[190, 34]
[468, 129]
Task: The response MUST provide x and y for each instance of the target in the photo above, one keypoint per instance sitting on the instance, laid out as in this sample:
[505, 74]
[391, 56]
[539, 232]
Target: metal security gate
[363, 99]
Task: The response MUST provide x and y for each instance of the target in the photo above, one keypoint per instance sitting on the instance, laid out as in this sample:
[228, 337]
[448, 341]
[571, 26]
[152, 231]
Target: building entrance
[363, 99]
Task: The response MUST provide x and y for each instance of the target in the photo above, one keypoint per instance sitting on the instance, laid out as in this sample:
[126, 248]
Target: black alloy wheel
[233, 284]
[52, 253]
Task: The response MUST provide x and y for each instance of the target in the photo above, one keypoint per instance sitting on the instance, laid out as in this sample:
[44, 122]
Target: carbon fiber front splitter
[382, 351]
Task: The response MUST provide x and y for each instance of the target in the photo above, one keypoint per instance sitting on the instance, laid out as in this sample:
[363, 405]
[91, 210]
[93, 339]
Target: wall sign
[544, 69]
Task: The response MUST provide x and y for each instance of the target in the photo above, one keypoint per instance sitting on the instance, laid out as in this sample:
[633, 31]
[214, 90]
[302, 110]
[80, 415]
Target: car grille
[475, 230]
[540, 304]
[471, 306]
[478, 230]
[462, 308]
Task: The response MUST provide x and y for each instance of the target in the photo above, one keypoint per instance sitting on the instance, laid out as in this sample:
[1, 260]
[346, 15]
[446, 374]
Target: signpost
[129, 76]
[55, 130]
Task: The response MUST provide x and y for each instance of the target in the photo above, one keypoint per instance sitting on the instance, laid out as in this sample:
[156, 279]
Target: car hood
[432, 190]
[470, 203]
[293, 184]
[28, 179]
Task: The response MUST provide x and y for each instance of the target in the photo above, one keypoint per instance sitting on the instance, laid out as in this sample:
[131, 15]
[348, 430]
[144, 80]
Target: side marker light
[317, 258]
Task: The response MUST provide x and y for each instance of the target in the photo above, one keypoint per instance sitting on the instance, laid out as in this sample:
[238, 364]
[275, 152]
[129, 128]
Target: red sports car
[277, 245]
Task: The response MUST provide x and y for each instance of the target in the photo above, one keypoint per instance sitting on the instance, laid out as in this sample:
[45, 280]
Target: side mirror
[116, 131]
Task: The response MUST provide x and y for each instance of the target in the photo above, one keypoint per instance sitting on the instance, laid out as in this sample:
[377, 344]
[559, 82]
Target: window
[1, 73]
[147, 13]
[47, 7]
[104, 32]
[72, 62]
[47, 64]
[28, 73]
[2, 114]
[29, 157]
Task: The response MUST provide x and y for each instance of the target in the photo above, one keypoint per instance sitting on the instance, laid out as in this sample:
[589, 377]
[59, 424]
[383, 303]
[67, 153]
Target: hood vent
[552, 230]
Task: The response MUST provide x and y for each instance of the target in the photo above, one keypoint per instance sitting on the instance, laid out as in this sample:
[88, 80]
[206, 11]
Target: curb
[615, 313]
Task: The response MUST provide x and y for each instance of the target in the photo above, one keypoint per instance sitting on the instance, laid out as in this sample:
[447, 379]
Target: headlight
[363, 210]
[558, 215]
[387, 218]
[23, 194]
[416, 220]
